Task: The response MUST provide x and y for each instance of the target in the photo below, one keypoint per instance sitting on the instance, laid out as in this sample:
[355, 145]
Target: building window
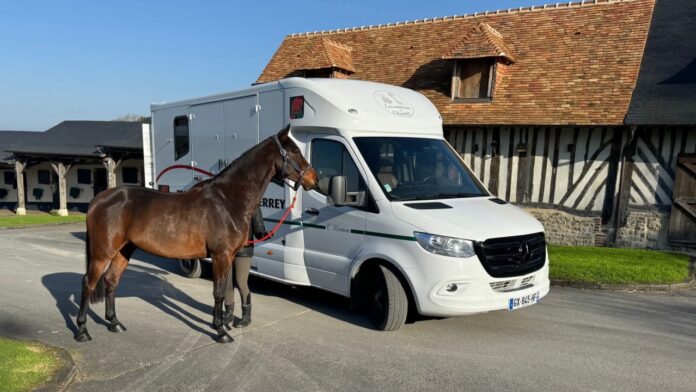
[129, 175]
[44, 177]
[84, 176]
[181, 136]
[11, 178]
[473, 79]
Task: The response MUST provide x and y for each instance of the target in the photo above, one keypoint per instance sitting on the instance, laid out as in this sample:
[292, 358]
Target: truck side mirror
[338, 190]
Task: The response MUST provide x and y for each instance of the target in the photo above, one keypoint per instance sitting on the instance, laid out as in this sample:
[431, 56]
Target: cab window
[330, 158]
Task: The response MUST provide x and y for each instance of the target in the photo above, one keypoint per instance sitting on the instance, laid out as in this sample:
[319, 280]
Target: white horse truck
[397, 219]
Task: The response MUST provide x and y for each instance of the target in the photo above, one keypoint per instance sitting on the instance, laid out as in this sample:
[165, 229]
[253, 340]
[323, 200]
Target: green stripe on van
[296, 223]
[353, 231]
[385, 235]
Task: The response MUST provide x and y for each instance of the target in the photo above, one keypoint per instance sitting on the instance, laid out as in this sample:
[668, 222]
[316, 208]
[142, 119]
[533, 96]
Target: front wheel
[190, 268]
[389, 302]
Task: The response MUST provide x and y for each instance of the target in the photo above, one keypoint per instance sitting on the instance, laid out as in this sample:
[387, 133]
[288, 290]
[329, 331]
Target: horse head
[293, 166]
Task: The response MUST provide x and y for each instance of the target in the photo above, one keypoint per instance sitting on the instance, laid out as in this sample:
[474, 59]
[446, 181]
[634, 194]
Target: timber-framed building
[583, 112]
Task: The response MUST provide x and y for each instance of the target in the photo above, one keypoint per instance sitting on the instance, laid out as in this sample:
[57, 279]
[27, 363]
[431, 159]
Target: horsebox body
[416, 223]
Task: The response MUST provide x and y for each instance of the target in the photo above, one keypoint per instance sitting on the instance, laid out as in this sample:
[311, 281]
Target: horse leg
[112, 276]
[222, 264]
[92, 290]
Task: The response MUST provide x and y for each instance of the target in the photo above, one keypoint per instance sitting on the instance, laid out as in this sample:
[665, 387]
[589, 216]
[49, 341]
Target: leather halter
[293, 164]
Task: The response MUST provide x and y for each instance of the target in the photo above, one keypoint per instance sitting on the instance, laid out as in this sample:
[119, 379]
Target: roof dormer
[477, 58]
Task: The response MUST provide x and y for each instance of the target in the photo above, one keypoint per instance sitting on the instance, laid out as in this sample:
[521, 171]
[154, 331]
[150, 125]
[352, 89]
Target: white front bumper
[475, 292]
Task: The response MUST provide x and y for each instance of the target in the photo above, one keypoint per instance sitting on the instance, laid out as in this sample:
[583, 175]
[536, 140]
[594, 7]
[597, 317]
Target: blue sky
[98, 60]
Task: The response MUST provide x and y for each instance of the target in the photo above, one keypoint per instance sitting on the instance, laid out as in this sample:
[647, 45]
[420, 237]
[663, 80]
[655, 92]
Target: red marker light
[296, 107]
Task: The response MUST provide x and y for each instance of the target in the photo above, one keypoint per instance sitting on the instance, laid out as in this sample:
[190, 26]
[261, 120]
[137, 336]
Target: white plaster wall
[32, 180]
[137, 163]
[87, 190]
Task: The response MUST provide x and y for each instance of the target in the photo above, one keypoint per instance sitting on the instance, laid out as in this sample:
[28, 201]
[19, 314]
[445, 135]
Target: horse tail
[99, 291]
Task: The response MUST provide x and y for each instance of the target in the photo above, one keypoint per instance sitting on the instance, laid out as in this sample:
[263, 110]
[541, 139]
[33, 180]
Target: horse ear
[284, 132]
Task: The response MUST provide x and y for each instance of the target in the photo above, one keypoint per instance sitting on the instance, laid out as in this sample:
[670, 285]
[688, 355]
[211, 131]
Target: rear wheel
[388, 300]
[190, 268]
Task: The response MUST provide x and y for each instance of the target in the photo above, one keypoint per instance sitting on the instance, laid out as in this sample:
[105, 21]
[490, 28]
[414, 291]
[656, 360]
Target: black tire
[190, 268]
[389, 304]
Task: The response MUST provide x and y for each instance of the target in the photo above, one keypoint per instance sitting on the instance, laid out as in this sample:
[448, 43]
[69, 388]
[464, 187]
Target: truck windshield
[418, 168]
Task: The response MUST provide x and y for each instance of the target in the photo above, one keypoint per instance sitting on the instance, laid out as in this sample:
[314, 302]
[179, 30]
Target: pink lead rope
[277, 226]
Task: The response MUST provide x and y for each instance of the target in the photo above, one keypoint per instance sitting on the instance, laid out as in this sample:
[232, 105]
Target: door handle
[312, 211]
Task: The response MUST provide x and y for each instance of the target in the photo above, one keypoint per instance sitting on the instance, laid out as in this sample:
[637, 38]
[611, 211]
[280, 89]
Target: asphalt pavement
[308, 340]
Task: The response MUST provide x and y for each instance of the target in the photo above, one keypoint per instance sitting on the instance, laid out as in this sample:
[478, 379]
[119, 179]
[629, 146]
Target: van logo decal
[394, 103]
[269, 202]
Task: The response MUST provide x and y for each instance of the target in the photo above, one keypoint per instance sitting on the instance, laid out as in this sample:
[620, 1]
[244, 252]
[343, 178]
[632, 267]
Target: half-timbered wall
[655, 162]
[567, 167]
[577, 169]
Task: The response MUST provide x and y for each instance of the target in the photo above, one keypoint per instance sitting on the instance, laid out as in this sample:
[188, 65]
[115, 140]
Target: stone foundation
[562, 228]
[644, 229]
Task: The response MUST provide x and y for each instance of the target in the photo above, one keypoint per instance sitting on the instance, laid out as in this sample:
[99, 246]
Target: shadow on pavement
[141, 282]
[324, 302]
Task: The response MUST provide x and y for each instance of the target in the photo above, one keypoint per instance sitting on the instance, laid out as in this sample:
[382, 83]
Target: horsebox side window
[44, 177]
[84, 176]
[181, 136]
[129, 175]
[330, 158]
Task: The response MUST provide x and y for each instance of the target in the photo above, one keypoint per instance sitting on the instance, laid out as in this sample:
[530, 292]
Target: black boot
[246, 317]
[228, 317]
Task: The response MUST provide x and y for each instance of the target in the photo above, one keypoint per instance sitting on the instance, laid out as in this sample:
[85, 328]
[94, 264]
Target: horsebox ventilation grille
[512, 256]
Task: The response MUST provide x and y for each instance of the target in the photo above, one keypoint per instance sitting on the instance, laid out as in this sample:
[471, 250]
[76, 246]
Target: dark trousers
[238, 278]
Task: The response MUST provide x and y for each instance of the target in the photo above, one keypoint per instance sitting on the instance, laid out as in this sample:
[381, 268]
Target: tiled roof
[574, 63]
[325, 53]
[82, 138]
[481, 41]
[665, 93]
[11, 139]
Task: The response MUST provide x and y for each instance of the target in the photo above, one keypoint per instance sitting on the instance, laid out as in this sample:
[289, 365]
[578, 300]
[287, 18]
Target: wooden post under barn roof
[62, 169]
[110, 164]
[21, 197]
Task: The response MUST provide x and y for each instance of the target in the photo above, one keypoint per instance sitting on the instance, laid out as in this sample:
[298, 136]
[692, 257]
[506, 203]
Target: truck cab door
[333, 235]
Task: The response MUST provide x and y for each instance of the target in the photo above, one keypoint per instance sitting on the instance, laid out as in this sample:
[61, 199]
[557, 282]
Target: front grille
[502, 285]
[512, 256]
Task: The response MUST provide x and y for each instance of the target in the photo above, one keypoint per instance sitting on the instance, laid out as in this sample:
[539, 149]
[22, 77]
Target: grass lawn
[616, 265]
[25, 365]
[38, 219]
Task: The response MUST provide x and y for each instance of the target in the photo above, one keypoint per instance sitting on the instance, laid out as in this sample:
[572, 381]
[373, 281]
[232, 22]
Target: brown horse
[211, 219]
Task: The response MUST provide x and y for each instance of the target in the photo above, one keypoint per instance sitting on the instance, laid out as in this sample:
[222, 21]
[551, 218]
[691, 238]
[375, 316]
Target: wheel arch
[369, 263]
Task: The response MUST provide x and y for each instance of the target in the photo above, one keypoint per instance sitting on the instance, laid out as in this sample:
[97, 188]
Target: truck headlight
[448, 246]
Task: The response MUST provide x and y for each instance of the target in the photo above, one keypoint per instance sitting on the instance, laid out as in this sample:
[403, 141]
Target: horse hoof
[224, 338]
[117, 328]
[83, 336]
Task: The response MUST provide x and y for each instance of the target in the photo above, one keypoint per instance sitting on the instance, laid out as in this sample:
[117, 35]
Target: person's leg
[242, 265]
[228, 317]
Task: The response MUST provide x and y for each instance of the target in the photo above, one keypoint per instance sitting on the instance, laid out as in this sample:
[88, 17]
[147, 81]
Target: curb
[690, 284]
[627, 287]
[63, 377]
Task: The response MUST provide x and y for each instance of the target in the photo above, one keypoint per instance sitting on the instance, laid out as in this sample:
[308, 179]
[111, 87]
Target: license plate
[525, 300]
